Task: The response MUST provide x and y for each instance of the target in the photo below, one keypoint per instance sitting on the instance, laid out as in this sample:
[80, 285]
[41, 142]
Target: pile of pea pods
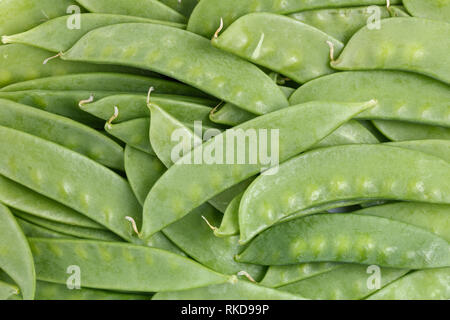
[117, 116]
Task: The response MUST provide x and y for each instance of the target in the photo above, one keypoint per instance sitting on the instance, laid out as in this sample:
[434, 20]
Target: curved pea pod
[104, 81]
[207, 14]
[437, 148]
[297, 128]
[52, 291]
[184, 7]
[348, 237]
[31, 230]
[142, 170]
[408, 44]
[151, 9]
[213, 71]
[230, 221]
[404, 131]
[396, 92]
[342, 173]
[135, 268]
[431, 9]
[133, 132]
[341, 23]
[302, 52]
[63, 131]
[21, 198]
[351, 132]
[19, 62]
[15, 257]
[234, 289]
[432, 284]
[8, 290]
[29, 13]
[69, 178]
[346, 282]
[434, 218]
[54, 35]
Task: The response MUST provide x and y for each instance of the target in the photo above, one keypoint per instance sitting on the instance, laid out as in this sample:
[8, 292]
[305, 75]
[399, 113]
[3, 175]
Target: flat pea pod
[230, 221]
[430, 284]
[63, 131]
[104, 81]
[207, 14]
[54, 35]
[351, 132]
[15, 257]
[302, 52]
[63, 103]
[136, 268]
[31, 230]
[21, 198]
[396, 93]
[163, 52]
[299, 128]
[437, 148]
[405, 131]
[19, 62]
[29, 13]
[408, 44]
[232, 290]
[348, 237]
[340, 23]
[142, 170]
[342, 173]
[53, 291]
[431, 9]
[133, 132]
[69, 178]
[7, 290]
[151, 9]
[346, 282]
[71, 230]
[184, 7]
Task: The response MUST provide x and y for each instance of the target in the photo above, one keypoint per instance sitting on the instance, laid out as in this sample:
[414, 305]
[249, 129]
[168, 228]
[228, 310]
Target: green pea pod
[230, 222]
[437, 148]
[351, 132]
[15, 257]
[31, 230]
[69, 178]
[342, 173]
[63, 131]
[299, 128]
[133, 132]
[151, 9]
[349, 238]
[430, 284]
[431, 9]
[408, 44]
[223, 76]
[7, 290]
[404, 131]
[302, 51]
[396, 93]
[206, 16]
[232, 290]
[54, 35]
[184, 7]
[135, 268]
[21, 198]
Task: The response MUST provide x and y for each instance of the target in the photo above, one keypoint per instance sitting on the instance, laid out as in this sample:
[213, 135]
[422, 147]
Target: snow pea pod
[34, 231]
[437, 148]
[397, 93]
[54, 35]
[150, 9]
[142, 170]
[348, 237]
[63, 131]
[7, 290]
[342, 173]
[207, 14]
[418, 285]
[19, 62]
[15, 255]
[21, 198]
[431, 9]
[404, 131]
[123, 267]
[232, 290]
[133, 132]
[213, 71]
[69, 178]
[299, 128]
[408, 44]
[351, 132]
[289, 47]
[230, 221]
